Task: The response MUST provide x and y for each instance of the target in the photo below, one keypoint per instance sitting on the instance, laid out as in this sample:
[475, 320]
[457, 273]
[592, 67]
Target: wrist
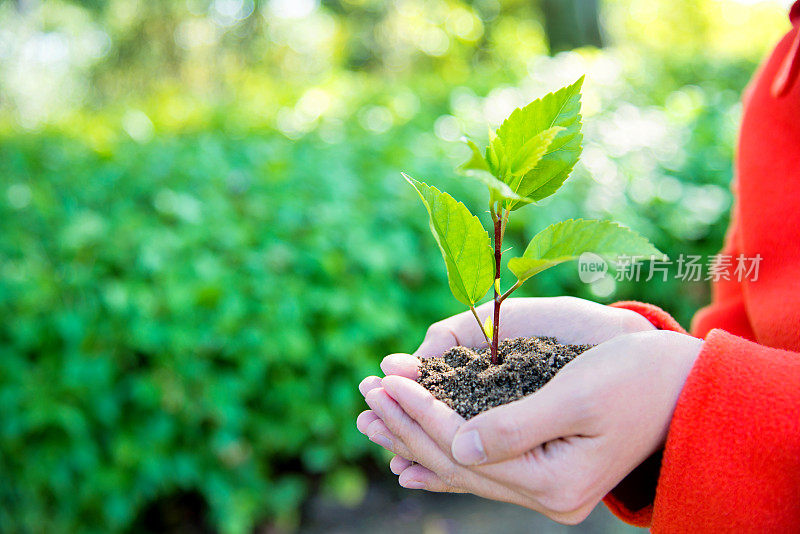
[684, 351]
[678, 352]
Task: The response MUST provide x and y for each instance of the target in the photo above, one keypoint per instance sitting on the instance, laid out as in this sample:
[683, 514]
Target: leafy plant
[528, 158]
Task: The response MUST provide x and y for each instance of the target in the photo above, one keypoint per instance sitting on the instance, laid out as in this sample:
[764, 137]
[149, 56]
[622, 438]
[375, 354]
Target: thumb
[513, 429]
[438, 339]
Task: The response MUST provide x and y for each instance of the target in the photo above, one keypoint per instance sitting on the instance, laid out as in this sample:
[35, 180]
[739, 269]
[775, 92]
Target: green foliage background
[206, 242]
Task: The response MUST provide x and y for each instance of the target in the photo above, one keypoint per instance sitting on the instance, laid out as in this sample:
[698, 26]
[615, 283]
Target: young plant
[528, 158]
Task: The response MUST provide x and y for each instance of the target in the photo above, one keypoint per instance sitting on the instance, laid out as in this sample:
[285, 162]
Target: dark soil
[465, 379]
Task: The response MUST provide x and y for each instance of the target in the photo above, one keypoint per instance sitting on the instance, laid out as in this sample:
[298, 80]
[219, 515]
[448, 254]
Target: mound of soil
[466, 380]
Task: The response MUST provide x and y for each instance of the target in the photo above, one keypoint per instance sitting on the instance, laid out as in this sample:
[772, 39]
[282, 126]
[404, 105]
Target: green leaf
[464, 243]
[569, 239]
[560, 108]
[476, 161]
[498, 191]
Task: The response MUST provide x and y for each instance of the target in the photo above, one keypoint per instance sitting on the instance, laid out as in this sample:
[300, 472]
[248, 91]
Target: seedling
[528, 158]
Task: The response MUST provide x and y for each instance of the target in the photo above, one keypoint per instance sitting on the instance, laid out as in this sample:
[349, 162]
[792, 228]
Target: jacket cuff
[632, 499]
[658, 317]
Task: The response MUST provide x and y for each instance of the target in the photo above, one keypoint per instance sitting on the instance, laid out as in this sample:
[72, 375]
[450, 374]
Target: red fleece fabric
[732, 458]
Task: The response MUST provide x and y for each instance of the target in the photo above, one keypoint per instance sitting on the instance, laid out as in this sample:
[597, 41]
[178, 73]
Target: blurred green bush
[187, 305]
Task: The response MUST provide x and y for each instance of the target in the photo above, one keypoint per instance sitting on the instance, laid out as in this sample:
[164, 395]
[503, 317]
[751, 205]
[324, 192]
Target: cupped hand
[558, 451]
[570, 320]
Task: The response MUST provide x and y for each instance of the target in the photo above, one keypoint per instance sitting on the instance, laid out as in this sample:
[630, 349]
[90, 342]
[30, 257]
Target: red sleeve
[732, 457]
[658, 317]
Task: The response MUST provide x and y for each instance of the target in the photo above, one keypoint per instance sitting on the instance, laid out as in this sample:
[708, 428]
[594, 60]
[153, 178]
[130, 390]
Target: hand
[558, 451]
[570, 320]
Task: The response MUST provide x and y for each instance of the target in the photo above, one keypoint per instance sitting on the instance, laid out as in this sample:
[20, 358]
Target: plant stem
[480, 324]
[499, 226]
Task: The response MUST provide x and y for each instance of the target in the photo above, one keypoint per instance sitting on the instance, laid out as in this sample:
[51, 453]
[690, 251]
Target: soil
[466, 380]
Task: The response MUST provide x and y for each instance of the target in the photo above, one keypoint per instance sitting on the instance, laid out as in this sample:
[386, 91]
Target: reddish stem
[498, 254]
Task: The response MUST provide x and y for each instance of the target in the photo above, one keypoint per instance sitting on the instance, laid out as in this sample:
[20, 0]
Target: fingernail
[467, 448]
[381, 440]
[413, 484]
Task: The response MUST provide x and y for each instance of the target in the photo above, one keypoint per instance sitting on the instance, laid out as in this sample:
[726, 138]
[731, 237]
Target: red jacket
[732, 457]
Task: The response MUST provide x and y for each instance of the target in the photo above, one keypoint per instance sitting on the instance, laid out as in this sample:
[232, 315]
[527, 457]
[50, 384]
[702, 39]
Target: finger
[461, 329]
[420, 477]
[364, 419]
[402, 365]
[369, 383]
[438, 420]
[378, 433]
[513, 429]
[425, 450]
[441, 423]
[383, 436]
[398, 464]
[437, 341]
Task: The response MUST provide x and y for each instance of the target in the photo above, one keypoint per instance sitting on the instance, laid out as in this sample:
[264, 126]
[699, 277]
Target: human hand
[569, 319]
[558, 451]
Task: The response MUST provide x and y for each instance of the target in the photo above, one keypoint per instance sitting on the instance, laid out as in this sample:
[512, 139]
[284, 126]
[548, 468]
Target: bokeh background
[206, 242]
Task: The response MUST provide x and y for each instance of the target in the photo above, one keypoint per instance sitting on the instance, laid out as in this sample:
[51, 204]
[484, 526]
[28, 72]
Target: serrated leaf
[560, 108]
[464, 243]
[498, 191]
[476, 162]
[569, 239]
